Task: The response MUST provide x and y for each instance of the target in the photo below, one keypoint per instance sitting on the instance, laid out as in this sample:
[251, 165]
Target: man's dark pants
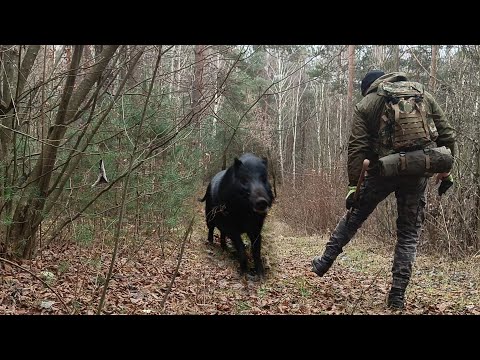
[410, 194]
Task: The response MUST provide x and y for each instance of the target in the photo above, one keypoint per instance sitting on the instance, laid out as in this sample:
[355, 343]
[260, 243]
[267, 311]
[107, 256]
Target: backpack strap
[434, 116]
[396, 109]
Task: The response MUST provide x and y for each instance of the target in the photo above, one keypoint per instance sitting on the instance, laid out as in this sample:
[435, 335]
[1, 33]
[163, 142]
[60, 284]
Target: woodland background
[165, 118]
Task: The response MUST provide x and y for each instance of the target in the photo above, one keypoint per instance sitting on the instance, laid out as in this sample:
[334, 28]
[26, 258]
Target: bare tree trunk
[9, 60]
[295, 123]
[280, 136]
[339, 121]
[328, 129]
[319, 116]
[433, 69]
[217, 101]
[13, 85]
[29, 211]
[172, 72]
[197, 91]
[476, 148]
[177, 78]
[396, 55]
[303, 140]
[42, 171]
[351, 78]
[26, 68]
[379, 56]
[477, 198]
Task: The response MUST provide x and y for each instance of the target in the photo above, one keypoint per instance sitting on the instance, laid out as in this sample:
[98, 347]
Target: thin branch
[41, 280]
[188, 234]
[421, 65]
[92, 134]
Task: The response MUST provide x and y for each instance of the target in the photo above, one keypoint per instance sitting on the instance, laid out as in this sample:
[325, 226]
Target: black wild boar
[236, 202]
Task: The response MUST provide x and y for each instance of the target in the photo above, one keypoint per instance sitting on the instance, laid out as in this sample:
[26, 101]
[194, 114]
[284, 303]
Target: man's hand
[447, 182]
[350, 194]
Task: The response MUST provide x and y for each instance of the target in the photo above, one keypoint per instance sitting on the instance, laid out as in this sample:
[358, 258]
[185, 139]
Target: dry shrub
[315, 204]
[317, 201]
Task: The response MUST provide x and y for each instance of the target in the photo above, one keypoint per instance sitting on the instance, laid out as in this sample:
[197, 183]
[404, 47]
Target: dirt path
[358, 283]
[208, 280]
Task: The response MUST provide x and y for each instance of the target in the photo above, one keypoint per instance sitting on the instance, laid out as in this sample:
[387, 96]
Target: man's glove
[445, 185]
[350, 194]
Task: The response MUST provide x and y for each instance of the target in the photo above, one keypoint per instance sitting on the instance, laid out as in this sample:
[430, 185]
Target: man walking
[390, 125]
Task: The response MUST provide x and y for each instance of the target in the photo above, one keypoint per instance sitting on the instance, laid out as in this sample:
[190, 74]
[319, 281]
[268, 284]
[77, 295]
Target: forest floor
[208, 281]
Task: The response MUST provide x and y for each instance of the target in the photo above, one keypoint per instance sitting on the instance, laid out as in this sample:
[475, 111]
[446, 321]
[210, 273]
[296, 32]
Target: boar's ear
[265, 161]
[237, 163]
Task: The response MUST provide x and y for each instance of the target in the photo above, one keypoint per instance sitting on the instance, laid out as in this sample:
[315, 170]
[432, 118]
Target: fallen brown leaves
[208, 282]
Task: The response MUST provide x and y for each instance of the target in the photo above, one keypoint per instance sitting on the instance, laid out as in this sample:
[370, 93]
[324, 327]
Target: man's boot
[321, 264]
[396, 299]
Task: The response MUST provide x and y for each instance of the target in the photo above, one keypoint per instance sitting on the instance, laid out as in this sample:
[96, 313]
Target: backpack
[404, 125]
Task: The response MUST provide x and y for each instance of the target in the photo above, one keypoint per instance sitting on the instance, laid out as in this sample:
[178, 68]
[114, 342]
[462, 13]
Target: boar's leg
[239, 246]
[210, 234]
[222, 240]
[256, 240]
[210, 219]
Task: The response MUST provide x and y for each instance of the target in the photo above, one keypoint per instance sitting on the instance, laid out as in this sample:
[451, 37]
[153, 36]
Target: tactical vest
[404, 125]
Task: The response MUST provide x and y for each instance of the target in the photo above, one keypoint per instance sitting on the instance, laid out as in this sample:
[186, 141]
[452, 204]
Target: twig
[35, 276]
[188, 233]
[445, 226]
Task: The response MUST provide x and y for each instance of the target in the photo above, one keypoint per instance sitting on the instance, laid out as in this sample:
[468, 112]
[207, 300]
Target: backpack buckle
[403, 161]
